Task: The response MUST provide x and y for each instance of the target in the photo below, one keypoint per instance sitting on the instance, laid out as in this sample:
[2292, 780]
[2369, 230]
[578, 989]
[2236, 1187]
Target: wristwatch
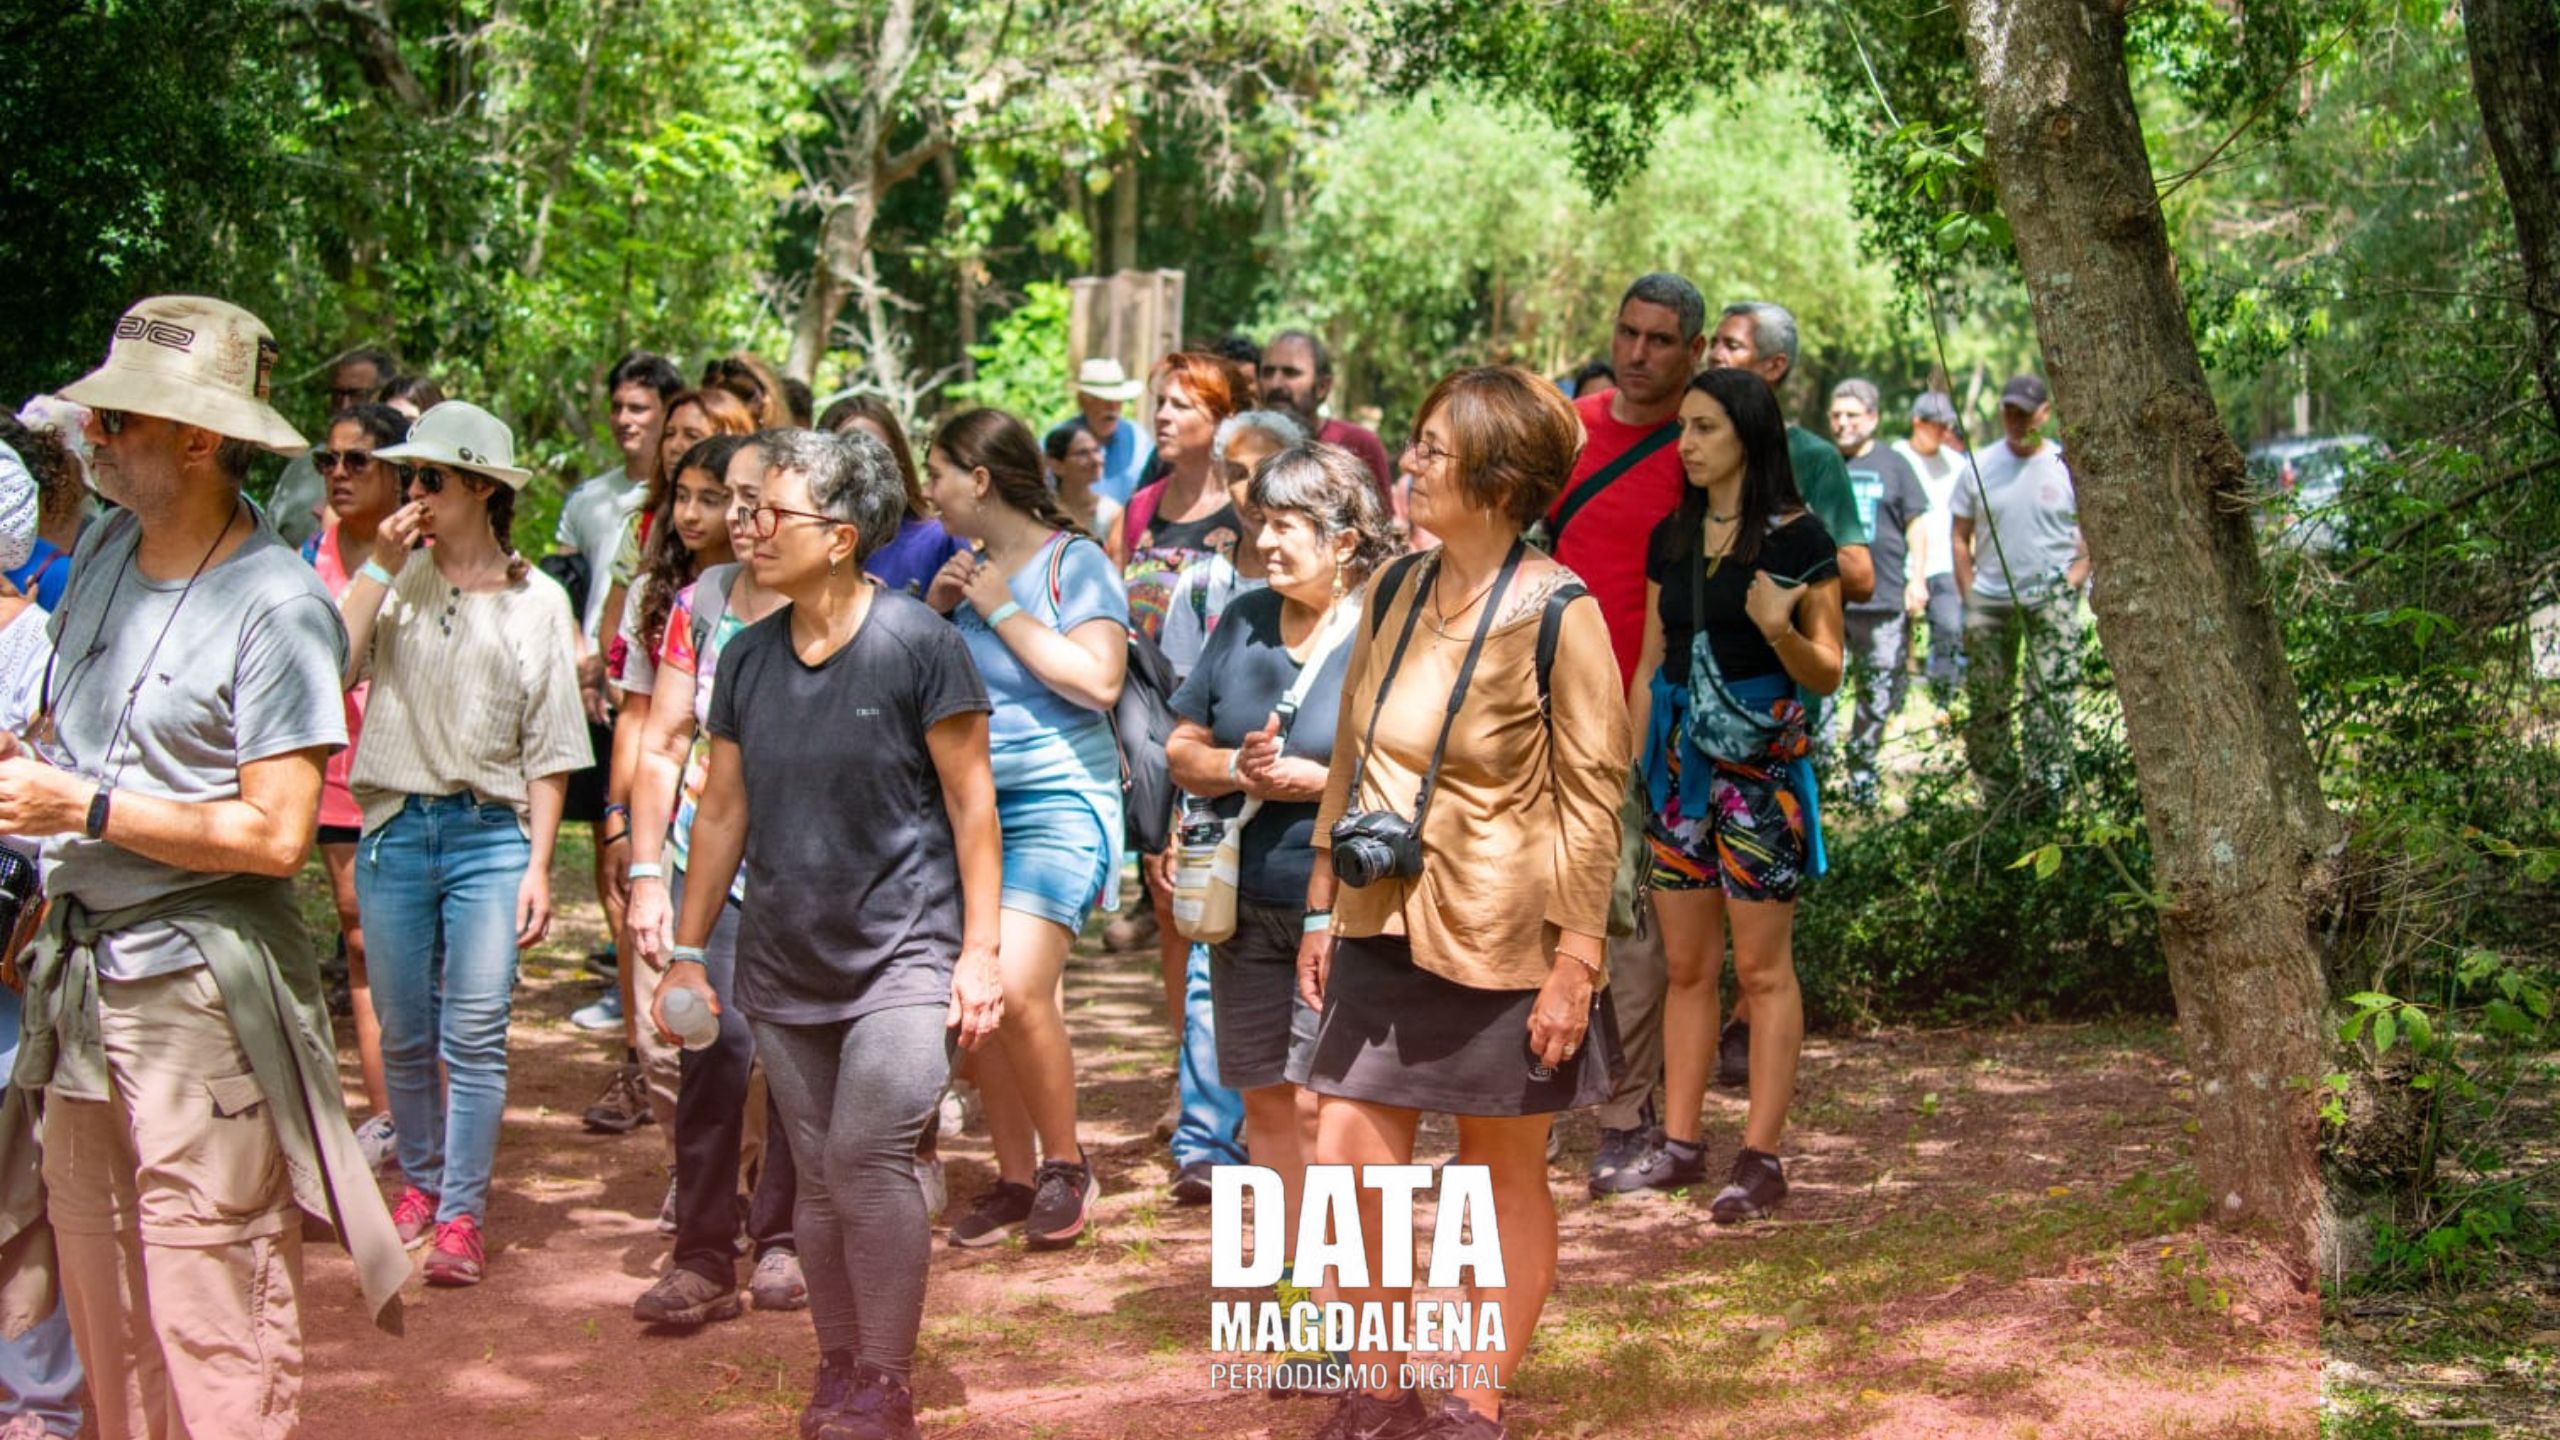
[96, 828]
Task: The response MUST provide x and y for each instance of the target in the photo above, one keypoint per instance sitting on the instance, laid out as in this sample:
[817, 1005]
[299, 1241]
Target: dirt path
[1990, 1236]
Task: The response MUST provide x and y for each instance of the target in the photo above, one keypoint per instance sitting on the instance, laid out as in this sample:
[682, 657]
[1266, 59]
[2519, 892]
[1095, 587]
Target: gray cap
[2024, 392]
[1934, 407]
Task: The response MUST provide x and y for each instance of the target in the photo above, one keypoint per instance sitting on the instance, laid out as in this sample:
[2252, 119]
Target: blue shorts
[1056, 857]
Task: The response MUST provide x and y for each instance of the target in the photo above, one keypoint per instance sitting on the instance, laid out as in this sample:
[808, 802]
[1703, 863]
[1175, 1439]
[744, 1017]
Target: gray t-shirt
[850, 855]
[591, 524]
[293, 506]
[1889, 499]
[2033, 523]
[247, 671]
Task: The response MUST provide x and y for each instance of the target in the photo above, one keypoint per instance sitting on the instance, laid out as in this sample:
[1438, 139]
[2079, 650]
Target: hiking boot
[1191, 1183]
[1063, 1192]
[624, 1105]
[460, 1256]
[414, 1216]
[687, 1297]
[1666, 1164]
[1003, 1207]
[1759, 1182]
[1618, 1150]
[777, 1283]
[604, 1014]
[1457, 1422]
[1733, 1056]
[379, 1139]
[1366, 1417]
[880, 1408]
[837, 1382]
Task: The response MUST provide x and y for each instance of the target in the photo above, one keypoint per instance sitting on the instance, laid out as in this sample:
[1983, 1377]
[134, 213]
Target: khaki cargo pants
[174, 1219]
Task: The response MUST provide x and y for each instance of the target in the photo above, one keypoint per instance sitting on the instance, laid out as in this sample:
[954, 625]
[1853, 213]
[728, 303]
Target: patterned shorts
[1750, 844]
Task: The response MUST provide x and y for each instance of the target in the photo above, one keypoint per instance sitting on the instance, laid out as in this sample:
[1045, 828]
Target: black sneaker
[1457, 1422]
[997, 1211]
[838, 1382]
[684, 1297]
[880, 1408]
[1063, 1200]
[1759, 1182]
[1733, 1056]
[1191, 1184]
[1663, 1166]
[1618, 1150]
[1366, 1417]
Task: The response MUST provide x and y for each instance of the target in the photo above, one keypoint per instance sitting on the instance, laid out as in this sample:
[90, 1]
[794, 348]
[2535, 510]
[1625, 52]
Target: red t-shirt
[1605, 544]
[1360, 440]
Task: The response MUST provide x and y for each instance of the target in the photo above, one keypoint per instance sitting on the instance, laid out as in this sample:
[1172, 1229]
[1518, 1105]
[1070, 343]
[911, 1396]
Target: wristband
[1002, 613]
[644, 870]
[679, 954]
[1235, 757]
[1318, 920]
[372, 570]
[96, 826]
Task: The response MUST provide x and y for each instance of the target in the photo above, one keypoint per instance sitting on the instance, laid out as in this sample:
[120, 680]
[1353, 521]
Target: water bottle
[694, 1025]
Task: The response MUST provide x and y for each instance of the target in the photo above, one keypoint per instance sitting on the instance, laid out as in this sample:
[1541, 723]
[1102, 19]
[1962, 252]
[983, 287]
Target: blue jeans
[436, 889]
[39, 1371]
[1211, 1129]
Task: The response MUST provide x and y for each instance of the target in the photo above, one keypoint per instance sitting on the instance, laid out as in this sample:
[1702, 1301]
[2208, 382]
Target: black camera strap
[1457, 692]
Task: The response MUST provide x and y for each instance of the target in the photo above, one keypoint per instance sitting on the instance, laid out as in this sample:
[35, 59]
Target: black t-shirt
[1163, 534]
[1889, 498]
[853, 880]
[1797, 549]
[1242, 675]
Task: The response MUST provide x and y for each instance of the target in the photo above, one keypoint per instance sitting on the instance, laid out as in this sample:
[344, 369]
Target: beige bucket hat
[196, 361]
[1103, 379]
[461, 436]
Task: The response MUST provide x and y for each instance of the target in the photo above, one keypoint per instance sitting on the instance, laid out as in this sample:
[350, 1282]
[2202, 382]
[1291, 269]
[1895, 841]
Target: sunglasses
[354, 462]
[428, 478]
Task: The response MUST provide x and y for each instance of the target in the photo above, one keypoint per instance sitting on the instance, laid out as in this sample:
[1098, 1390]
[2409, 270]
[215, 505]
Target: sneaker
[1133, 931]
[667, 1212]
[1191, 1184]
[1759, 1182]
[880, 1408]
[1618, 1150]
[1366, 1417]
[997, 1211]
[777, 1283]
[605, 964]
[837, 1382]
[604, 1014]
[624, 1105]
[1733, 1056]
[460, 1255]
[687, 1297]
[1458, 1422]
[937, 1189]
[414, 1216]
[379, 1141]
[1062, 1200]
[1664, 1166]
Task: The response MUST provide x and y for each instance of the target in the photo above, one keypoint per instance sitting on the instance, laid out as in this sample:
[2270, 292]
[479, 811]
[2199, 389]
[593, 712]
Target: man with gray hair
[1296, 375]
[1760, 337]
[1893, 506]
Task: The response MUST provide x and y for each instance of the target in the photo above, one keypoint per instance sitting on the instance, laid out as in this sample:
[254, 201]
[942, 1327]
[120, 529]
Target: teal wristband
[1003, 612]
[1318, 920]
[679, 954]
[373, 571]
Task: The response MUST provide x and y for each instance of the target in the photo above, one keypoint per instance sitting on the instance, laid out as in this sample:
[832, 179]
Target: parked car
[2301, 480]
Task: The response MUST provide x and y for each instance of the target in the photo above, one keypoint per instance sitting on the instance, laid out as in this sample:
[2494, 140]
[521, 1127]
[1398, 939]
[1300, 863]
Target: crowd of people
[1449, 780]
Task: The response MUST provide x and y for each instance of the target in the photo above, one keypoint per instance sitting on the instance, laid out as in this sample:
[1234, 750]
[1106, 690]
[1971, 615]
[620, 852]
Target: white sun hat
[461, 436]
[1103, 379]
[196, 361]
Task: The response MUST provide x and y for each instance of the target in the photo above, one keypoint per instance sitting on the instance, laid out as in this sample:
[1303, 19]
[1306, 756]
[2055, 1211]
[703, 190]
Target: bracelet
[617, 837]
[1235, 757]
[644, 870]
[1002, 613]
[1318, 920]
[1592, 967]
[622, 810]
[372, 570]
[679, 954]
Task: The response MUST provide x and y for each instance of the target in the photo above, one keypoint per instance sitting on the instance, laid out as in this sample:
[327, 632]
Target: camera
[1375, 845]
[18, 885]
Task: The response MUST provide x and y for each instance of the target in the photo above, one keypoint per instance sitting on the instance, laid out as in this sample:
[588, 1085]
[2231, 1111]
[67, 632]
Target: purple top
[909, 562]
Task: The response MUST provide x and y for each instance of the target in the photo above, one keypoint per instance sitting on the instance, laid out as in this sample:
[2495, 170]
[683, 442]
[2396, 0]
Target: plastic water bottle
[692, 1021]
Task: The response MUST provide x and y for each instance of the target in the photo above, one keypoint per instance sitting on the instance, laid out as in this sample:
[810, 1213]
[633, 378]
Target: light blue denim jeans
[436, 888]
[39, 1371]
[1211, 1130]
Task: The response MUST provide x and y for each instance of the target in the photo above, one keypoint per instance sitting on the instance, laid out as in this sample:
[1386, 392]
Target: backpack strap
[1389, 583]
[1550, 630]
[1607, 475]
[711, 604]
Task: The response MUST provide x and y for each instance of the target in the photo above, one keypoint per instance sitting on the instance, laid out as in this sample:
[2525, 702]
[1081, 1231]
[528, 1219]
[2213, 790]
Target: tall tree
[2515, 72]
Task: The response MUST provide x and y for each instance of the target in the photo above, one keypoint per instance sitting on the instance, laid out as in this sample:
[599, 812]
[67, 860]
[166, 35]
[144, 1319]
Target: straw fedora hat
[196, 361]
[1103, 379]
[461, 436]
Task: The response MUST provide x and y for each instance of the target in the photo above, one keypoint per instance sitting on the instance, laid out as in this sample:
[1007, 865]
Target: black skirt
[1396, 1034]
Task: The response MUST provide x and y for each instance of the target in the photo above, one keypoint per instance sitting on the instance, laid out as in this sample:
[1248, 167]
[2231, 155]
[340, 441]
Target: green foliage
[1022, 369]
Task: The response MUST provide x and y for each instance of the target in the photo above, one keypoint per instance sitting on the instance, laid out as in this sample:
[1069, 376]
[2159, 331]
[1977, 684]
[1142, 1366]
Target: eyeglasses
[765, 521]
[1426, 452]
[354, 462]
[112, 422]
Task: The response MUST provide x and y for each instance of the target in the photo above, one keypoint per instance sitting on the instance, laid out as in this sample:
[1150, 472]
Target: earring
[1337, 582]
[831, 568]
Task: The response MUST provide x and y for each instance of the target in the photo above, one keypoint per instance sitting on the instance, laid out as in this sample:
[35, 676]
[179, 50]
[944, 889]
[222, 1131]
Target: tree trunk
[2242, 843]
[861, 175]
[2515, 74]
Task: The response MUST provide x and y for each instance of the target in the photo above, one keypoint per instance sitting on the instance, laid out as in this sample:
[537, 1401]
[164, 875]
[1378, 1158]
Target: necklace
[44, 732]
[1440, 616]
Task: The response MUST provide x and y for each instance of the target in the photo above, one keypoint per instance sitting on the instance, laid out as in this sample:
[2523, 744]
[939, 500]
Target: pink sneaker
[414, 1215]
[458, 1256]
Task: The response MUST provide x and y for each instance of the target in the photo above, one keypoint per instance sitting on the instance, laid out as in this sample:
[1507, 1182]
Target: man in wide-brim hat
[174, 1029]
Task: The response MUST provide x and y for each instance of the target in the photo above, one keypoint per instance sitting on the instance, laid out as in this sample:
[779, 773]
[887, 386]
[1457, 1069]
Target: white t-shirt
[2026, 516]
[1938, 475]
[24, 647]
[591, 521]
